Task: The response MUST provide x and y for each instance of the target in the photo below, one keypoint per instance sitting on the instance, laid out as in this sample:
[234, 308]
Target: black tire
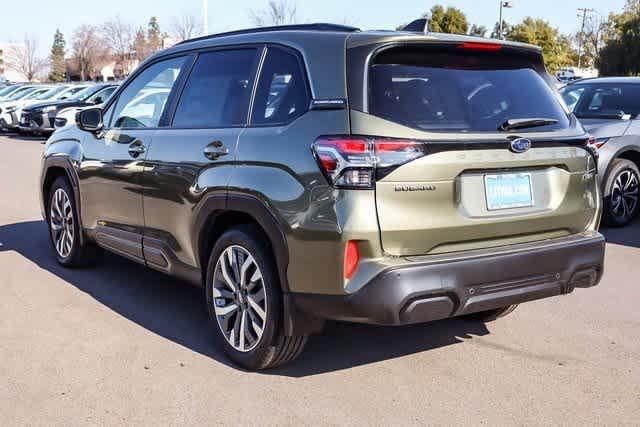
[490, 315]
[619, 207]
[77, 255]
[272, 348]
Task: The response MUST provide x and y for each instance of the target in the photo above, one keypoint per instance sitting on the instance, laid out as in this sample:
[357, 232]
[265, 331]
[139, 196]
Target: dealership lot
[119, 345]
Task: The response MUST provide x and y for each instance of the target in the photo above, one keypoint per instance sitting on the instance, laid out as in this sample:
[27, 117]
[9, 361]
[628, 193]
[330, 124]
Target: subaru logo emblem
[520, 145]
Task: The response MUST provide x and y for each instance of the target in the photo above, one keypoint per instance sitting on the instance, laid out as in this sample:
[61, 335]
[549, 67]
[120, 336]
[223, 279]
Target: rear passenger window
[282, 94]
[218, 91]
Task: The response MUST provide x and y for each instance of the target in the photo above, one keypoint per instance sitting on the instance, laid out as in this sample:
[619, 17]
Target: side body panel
[110, 189]
[178, 180]
[277, 167]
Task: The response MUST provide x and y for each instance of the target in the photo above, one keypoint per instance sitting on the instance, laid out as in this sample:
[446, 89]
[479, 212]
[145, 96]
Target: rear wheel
[621, 191]
[245, 303]
[490, 315]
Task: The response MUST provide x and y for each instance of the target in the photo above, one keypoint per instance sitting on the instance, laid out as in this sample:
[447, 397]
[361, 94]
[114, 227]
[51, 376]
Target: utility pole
[503, 4]
[205, 17]
[583, 13]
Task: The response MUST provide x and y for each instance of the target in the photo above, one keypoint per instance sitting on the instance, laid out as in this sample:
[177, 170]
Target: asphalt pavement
[122, 345]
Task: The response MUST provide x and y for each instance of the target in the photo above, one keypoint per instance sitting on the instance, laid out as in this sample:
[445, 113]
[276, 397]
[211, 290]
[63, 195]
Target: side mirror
[90, 119]
[98, 101]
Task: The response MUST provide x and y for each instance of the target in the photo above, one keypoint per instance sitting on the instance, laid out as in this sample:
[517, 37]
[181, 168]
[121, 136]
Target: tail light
[357, 161]
[597, 143]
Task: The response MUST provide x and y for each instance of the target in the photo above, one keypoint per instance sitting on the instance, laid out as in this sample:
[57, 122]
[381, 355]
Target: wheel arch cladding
[218, 214]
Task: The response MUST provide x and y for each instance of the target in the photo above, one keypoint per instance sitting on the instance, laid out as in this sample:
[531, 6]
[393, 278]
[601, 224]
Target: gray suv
[309, 173]
[609, 108]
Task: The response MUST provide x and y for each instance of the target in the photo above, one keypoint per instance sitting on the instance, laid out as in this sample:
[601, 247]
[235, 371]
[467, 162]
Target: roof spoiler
[418, 26]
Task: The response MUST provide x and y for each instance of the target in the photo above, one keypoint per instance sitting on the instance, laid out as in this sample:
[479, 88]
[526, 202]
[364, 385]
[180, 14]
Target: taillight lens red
[351, 259]
[479, 46]
[355, 162]
[597, 143]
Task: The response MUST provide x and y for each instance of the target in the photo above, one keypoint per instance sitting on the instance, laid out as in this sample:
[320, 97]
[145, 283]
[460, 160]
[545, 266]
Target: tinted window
[282, 90]
[460, 92]
[142, 102]
[218, 91]
[604, 100]
[101, 96]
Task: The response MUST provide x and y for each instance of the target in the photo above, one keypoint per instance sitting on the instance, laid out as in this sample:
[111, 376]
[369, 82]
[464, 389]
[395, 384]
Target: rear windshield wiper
[513, 124]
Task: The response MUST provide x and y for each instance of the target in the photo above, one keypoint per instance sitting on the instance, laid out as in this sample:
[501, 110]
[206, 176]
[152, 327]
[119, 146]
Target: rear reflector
[477, 46]
[351, 259]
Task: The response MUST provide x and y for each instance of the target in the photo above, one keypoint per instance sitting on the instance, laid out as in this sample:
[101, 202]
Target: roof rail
[300, 27]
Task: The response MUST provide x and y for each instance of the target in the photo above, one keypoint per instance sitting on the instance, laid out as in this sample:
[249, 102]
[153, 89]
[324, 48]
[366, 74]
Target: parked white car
[9, 108]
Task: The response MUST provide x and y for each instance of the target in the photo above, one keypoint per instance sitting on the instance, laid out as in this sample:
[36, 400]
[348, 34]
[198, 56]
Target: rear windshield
[452, 91]
[603, 100]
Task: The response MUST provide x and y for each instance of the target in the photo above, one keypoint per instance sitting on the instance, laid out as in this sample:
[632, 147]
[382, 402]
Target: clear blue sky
[16, 19]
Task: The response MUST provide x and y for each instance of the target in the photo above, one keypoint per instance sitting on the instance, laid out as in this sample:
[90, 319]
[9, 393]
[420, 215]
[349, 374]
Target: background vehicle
[39, 118]
[258, 165]
[8, 90]
[609, 109]
[9, 108]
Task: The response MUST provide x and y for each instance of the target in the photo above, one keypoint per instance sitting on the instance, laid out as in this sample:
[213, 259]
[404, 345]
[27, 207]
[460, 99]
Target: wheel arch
[219, 212]
[53, 168]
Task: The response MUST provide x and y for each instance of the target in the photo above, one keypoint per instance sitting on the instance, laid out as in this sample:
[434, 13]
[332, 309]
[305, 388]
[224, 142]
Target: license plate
[508, 191]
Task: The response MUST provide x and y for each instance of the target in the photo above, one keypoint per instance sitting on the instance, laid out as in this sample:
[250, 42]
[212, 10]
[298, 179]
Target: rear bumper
[440, 287]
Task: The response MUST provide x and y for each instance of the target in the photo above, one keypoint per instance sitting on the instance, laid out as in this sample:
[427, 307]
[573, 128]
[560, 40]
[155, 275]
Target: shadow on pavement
[175, 311]
[625, 236]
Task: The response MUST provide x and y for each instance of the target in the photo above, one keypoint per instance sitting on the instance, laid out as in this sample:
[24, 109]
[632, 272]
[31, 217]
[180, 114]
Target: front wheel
[244, 302]
[621, 193]
[64, 228]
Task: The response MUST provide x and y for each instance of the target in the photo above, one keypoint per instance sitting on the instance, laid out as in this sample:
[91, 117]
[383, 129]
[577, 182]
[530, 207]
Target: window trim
[171, 112]
[305, 77]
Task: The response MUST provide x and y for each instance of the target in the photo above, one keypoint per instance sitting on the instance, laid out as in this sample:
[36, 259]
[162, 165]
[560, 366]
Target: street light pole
[205, 17]
[503, 4]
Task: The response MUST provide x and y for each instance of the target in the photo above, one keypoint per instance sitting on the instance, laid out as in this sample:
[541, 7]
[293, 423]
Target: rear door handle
[136, 149]
[215, 150]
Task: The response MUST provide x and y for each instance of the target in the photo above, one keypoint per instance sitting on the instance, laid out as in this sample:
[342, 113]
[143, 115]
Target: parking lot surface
[121, 345]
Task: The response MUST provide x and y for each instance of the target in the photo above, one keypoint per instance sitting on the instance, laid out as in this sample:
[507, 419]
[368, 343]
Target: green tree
[450, 20]
[478, 31]
[140, 45]
[154, 35]
[56, 58]
[621, 52]
[506, 28]
[556, 48]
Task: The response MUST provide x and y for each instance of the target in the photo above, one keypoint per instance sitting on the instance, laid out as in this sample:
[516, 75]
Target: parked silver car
[609, 108]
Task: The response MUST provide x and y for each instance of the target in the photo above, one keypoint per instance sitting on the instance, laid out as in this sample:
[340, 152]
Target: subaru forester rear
[315, 172]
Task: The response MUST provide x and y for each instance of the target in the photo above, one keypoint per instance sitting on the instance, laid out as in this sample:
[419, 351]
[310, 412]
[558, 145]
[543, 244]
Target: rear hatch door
[490, 174]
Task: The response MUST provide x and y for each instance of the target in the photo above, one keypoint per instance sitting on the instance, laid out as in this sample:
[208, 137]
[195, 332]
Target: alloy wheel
[62, 223]
[624, 195]
[239, 298]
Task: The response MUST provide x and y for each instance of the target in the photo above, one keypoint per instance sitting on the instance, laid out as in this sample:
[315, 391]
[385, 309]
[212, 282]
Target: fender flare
[64, 162]
[217, 204]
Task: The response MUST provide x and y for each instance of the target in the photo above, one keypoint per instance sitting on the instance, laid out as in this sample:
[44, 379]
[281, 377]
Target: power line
[583, 13]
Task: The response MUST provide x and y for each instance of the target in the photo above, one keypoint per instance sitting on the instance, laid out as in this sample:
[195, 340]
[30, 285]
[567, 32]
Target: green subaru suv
[308, 173]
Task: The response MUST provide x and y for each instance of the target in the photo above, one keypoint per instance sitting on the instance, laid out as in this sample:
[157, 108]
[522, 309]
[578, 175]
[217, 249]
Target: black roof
[301, 27]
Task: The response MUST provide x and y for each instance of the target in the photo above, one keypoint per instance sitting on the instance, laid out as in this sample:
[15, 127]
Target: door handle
[215, 150]
[136, 149]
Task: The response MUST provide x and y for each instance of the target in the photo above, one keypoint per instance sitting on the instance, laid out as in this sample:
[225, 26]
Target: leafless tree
[185, 27]
[22, 58]
[277, 12]
[88, 50]
[118, 36]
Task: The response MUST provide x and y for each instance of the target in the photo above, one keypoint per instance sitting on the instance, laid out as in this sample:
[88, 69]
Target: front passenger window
[142, 102]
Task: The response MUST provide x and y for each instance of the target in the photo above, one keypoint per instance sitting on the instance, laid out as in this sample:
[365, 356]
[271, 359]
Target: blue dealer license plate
[508, 191]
